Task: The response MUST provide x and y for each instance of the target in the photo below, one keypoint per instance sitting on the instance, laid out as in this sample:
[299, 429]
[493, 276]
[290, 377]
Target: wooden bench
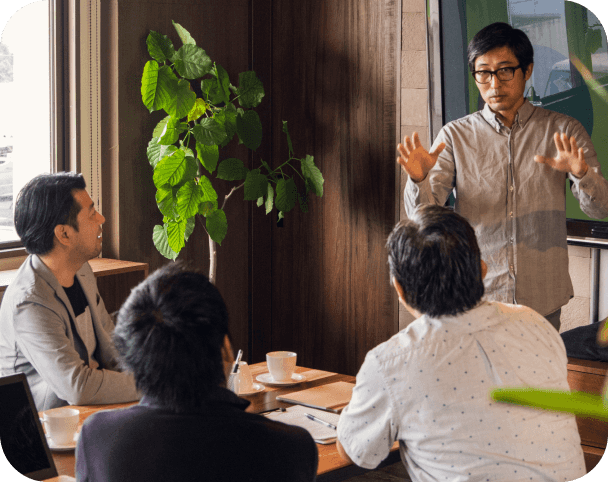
[589, 376]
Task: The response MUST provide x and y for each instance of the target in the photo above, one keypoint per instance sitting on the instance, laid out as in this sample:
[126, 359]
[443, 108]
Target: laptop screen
[21, 434]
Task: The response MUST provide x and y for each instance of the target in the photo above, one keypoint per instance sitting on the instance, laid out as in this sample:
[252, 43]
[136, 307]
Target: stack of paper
[296, 415]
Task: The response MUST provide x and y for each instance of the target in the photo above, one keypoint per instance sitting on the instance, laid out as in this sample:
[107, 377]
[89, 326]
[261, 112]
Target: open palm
[415, 159]
[569, 157]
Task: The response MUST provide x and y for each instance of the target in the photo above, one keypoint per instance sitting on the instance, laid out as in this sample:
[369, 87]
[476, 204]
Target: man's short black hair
[497, 35]
[435, 257]
[43, 203]
[169, 334]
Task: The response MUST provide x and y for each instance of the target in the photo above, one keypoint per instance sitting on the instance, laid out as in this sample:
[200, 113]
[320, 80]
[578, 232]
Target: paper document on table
[296, 415]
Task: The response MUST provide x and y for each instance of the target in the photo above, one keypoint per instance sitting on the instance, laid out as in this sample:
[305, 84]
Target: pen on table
[235, 368]
[323, 422]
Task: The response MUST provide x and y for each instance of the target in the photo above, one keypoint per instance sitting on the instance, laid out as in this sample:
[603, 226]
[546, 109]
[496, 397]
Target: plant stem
[213, 244]
[235, 188]
[212, 259]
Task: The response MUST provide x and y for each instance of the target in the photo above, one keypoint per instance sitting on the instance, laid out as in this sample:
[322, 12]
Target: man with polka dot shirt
[428, 386]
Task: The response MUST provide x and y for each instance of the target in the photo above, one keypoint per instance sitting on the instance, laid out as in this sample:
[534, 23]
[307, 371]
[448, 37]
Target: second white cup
[281, 365]
[61, 424]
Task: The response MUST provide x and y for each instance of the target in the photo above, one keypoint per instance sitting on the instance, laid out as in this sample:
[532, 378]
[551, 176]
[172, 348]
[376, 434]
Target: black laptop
[21, 434]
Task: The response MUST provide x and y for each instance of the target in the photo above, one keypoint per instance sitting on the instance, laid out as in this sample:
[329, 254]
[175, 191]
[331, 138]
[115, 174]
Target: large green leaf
[189, 197]
[189, 227]
[167, 131]
[217, 225]
[176, 232]
[312, 175]
[161, 241]
[211, 92]
[250, 90]
[207, 207]
[208, 156]
[288, 138]
[184, 35]
[159, 46]
[209, 132]
[232, 169]
[198, 109]
[269, 199]
[255, 185]
[172, 169]
[156, 152]
[226, 117]
[286, 195]
[249, 129]
[180, 104]
[192, 62]
[223, 82]
[165, 200]
[157, 85]
[209, 193]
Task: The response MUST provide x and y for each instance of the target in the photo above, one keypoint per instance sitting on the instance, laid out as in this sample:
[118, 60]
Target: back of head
[435, 257]
[42, 204]
[169, 334]
[497, 35]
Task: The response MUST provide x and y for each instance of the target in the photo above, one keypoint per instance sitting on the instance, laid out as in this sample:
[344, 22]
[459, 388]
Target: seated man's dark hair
[43, 203]
[169, 334]
[497, 35]
[435, 257]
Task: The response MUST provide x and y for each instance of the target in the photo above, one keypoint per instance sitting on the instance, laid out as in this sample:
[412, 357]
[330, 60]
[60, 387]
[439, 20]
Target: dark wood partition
[319, 284]
[333, 72]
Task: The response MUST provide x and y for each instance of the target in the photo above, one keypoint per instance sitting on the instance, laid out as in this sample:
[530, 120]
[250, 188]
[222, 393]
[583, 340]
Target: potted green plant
[205, 112]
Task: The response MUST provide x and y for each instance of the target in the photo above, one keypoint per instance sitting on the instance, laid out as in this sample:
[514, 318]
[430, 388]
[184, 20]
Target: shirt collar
[523, 115]
[219, 395]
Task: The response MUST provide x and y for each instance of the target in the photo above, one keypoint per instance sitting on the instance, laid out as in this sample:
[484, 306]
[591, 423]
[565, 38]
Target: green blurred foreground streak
[579, 403]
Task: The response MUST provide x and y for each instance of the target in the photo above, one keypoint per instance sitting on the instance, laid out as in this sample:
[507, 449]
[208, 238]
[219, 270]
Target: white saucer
[257, 387]
[62, 448]
[266, 379]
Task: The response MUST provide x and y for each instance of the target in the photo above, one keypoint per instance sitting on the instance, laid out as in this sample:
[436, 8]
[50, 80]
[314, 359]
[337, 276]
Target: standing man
[54, 326]
[428, 386]
[172, 334]
[507, 165]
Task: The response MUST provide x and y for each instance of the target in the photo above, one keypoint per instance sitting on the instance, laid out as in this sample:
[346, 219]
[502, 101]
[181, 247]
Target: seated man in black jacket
[172, 333]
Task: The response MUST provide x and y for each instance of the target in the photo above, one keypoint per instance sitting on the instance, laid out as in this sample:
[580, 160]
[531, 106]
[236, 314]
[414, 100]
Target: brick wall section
[414, 90]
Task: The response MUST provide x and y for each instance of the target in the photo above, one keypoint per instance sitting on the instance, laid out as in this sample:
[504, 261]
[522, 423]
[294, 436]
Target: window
[570, 67]
[49, 97]
[25, 133]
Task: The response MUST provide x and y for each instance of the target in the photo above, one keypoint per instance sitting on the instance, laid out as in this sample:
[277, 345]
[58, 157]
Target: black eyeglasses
[504, 74]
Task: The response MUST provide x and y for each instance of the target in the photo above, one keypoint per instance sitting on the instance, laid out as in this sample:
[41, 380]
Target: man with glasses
[507, 165]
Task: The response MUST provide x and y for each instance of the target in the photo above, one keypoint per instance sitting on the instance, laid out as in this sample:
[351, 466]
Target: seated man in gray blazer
[54, 326]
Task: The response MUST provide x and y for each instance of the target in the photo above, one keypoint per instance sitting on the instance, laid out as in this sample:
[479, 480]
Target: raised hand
[569, 158]
[415, 159]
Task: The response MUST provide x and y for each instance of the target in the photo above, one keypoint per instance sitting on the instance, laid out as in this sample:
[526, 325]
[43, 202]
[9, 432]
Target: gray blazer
[39, 338]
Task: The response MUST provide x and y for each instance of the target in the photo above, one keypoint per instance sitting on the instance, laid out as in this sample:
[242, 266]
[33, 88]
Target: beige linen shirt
[517, 207]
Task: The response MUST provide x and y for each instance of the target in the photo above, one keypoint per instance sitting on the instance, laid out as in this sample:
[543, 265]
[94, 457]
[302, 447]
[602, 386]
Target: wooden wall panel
[334, 81]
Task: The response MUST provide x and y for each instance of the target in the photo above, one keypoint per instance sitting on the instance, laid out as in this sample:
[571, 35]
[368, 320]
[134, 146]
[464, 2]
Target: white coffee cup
[281, 365]
[61, 424]
[246, 380]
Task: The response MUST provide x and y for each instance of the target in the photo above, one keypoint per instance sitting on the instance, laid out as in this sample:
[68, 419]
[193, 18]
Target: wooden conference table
[331, 466]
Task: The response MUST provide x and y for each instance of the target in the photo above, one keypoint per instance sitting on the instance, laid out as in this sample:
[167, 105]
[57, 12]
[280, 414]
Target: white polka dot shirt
[428, 387]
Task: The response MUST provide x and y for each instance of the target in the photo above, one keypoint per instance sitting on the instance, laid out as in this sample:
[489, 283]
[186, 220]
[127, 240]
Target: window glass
[570, 63]
[24, 102]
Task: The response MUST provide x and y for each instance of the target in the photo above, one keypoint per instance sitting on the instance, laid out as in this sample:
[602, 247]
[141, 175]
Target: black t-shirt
[77, 298]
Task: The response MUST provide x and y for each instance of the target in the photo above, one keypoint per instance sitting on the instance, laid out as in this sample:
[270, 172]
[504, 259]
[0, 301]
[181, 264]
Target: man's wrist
[582, 172]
